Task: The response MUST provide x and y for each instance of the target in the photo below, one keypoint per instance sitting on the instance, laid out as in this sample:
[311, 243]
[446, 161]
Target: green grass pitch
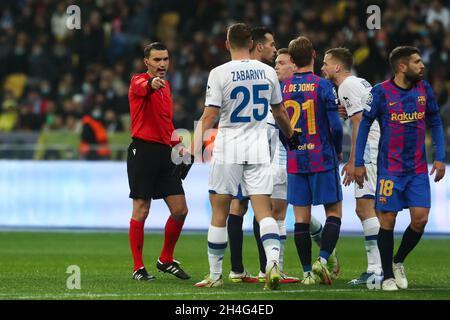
[33, 265]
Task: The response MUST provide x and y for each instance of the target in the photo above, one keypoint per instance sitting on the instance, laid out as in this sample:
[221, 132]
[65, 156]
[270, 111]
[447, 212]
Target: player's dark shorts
[150, 167]
[396, 193]
[305, 189]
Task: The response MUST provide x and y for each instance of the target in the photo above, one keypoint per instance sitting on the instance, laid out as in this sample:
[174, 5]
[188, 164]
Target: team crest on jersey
[422, 100]
[368, 102]
[347, 102]
[383, 200]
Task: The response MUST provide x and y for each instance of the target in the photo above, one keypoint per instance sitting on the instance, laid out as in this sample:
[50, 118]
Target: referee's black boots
[172, 268]
[142, 275]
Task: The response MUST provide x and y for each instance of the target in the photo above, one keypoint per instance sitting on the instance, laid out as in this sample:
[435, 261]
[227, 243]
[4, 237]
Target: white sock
[217, 244]
[315, 229]
[283, 236]
[270, 238]
[371, 227]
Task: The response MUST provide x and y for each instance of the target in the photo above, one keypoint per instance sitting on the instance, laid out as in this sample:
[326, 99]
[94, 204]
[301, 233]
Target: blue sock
[324, 254]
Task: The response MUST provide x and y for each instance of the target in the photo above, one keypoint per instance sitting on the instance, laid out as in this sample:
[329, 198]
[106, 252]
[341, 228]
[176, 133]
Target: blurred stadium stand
[50, 76]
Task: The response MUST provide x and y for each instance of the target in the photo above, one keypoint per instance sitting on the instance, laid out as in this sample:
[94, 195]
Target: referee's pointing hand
[157, 83]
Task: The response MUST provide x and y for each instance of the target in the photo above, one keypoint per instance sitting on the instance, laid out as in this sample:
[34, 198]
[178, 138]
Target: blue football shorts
[394, 193]
[305, 189]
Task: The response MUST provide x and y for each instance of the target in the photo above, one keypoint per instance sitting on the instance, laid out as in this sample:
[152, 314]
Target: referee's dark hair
[259, 36]
[402, 55]
[153, 46]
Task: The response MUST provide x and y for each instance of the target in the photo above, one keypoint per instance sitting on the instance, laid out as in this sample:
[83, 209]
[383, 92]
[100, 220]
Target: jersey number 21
[307, 106]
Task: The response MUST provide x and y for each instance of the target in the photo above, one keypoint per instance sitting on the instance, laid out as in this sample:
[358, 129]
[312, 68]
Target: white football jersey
[352, 93]
[244, 91]
[278, 151]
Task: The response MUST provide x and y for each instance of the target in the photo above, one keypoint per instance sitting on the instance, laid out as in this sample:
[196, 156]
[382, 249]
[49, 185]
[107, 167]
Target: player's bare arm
[207, 121]
[342, 112]
[348, 171]
[282, 118]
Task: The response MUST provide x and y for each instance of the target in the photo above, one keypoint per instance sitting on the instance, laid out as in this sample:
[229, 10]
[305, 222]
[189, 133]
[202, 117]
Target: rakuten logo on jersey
[406, 117]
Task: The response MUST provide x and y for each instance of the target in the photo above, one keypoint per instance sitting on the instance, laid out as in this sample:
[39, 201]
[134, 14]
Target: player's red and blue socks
[409, 241]
[235, 238]
[302, 238]
[172, 232]
[261, 251]
[386, 247]
[136, 236]
[330, 236]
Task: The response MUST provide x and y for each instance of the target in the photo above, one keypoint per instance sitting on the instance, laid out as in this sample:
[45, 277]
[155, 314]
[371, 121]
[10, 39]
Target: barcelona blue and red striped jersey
[402, 114]
[308, 99]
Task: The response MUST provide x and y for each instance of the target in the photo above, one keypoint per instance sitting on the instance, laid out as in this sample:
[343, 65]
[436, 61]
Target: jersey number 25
[235, 117]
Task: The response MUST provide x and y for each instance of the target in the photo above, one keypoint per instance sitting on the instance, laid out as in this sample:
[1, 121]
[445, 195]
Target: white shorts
[224, 178]
[279, 182]
[369, 187]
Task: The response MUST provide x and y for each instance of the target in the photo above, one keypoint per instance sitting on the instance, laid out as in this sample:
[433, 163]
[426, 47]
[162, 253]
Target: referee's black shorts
[150, 167]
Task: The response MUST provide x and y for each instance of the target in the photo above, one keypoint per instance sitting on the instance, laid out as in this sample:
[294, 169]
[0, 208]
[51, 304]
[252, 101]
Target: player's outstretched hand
[348, 171]
[360, 176]
[294, 141]
[342, 112]
[439, 167]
